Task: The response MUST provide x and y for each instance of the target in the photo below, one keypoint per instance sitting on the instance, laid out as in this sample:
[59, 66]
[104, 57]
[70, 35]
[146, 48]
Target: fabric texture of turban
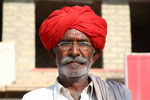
[81, 18]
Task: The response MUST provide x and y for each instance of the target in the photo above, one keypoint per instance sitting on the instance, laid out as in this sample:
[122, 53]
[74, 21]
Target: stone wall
[19, 28]
[118, 42]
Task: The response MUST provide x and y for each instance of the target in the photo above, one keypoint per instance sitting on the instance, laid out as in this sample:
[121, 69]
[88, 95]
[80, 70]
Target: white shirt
[58, 92]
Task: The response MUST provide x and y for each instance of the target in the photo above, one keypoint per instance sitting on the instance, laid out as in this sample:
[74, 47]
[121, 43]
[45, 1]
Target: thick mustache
[78, 59]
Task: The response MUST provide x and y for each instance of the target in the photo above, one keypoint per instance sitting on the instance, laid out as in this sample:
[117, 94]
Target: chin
[75, 75]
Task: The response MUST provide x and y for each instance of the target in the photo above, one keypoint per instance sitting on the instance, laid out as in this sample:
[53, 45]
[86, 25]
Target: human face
[74, 62]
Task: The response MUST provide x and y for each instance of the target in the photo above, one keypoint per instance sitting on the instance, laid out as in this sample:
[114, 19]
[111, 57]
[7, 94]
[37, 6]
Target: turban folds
[81, 18]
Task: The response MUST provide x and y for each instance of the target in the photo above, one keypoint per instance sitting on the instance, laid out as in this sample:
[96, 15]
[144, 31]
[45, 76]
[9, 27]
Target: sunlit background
[25, 64]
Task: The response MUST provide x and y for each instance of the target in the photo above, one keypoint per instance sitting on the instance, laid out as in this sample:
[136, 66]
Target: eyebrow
[69, 40]
[83, 40]
[65, 40]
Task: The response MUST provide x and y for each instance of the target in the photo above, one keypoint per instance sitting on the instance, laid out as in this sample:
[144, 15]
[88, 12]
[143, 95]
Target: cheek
[90, 58]
[88, 55]
[60, 55]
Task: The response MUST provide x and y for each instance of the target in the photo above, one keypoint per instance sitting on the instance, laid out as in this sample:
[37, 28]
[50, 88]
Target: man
[74, 37]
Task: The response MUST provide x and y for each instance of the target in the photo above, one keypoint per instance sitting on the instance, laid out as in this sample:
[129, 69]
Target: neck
[74, 84]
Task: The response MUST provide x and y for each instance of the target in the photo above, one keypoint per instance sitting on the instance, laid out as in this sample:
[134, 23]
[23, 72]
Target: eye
[65, 43]
[83, 44]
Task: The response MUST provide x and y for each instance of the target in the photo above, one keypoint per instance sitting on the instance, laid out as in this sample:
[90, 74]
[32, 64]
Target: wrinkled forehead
[74, 35]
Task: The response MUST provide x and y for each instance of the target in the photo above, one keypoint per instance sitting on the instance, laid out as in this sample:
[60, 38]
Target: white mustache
[78, 59]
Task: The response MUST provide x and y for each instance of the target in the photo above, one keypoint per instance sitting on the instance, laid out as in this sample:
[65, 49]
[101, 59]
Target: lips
[73, 64]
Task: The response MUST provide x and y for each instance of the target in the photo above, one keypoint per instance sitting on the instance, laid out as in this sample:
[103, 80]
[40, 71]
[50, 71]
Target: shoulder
[118, 86]
[40, 94]
[120, 90]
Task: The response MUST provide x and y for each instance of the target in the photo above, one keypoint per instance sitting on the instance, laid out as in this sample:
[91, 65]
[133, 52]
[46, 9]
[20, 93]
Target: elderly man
[74, 37]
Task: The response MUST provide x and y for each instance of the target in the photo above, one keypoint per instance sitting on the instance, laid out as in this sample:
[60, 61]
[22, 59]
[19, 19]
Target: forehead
[73, 34]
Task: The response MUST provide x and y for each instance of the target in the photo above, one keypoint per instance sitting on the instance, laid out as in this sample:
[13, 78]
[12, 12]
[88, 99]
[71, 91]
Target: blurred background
[25, 64]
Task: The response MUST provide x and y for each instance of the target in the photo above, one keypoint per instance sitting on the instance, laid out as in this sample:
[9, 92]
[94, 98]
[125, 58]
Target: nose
[75, 50]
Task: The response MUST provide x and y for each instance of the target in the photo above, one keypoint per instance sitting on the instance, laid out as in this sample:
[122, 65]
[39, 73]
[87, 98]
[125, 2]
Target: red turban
[81, 18]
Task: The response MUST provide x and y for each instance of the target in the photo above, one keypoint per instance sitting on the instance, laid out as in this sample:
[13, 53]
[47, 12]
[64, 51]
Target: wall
[19, 28]
[118, 42]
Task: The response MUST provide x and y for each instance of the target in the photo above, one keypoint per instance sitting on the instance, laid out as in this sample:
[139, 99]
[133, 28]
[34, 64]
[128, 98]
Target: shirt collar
[58, 87]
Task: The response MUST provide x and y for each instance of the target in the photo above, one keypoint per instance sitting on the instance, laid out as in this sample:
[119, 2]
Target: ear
[96, 55]
[52, 56]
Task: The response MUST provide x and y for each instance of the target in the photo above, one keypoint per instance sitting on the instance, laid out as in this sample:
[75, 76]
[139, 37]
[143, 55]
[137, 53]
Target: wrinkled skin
[74, 69]
[74, 75]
